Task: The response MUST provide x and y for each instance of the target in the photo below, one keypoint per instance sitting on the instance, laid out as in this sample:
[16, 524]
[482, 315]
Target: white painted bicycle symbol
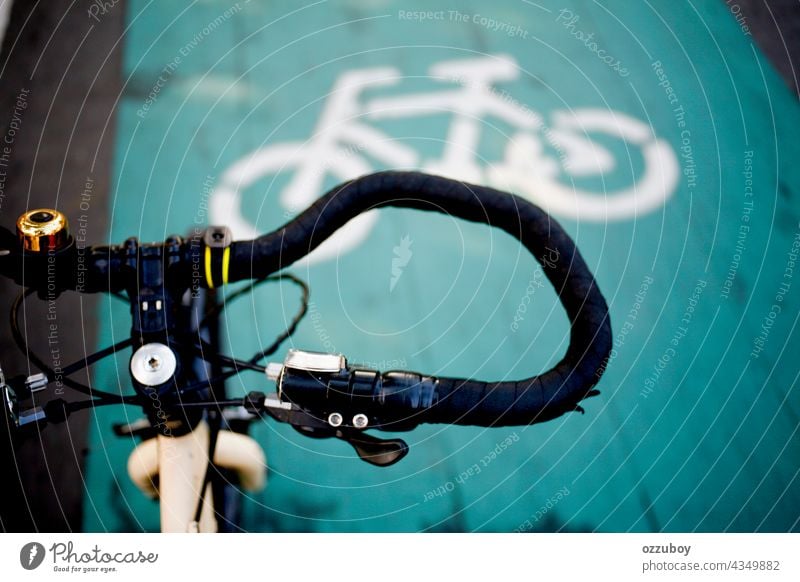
[344, 145]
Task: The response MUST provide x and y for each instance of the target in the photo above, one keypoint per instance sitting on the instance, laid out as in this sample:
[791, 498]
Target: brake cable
[290, 329]
[241, 365]
[110, 398]
[98, 395]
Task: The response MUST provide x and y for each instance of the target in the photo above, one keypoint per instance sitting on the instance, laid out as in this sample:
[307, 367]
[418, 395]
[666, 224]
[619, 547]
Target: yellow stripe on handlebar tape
[226, 265]
[209, 278]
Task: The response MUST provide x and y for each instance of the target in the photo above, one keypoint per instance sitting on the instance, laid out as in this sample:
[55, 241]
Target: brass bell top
[43, 229]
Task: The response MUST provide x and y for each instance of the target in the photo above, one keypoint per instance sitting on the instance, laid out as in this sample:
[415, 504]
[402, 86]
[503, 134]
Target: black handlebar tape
[462, 401]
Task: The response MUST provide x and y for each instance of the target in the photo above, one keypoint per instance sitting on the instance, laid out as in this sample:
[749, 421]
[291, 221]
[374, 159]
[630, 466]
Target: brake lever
[373, 450]
[370, 449]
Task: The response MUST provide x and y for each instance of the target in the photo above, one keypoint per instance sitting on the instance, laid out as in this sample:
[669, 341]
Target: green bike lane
[695, 427]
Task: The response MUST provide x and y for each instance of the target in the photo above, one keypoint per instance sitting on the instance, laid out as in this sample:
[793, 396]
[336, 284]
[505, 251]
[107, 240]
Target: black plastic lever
[375, 451]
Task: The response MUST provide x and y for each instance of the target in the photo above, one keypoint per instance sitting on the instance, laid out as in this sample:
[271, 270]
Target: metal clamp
[314, 361]
[36, 383]
[217, 241]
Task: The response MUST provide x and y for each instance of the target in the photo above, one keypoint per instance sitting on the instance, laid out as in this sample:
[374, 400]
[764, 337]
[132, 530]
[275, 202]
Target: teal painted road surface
[657, 134]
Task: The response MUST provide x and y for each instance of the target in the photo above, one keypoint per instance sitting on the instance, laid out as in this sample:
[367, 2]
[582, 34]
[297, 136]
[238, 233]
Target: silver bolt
[153, 362]
[335, 419]
[360, 421]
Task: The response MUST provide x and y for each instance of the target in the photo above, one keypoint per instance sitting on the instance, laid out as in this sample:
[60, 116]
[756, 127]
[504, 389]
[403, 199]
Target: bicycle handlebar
[425, 399]
[459, 400]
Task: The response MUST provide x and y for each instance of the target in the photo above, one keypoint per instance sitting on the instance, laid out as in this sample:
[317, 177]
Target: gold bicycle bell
[43, 229]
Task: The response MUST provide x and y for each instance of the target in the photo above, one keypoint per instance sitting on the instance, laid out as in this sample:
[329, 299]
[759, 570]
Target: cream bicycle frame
[180, 465]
